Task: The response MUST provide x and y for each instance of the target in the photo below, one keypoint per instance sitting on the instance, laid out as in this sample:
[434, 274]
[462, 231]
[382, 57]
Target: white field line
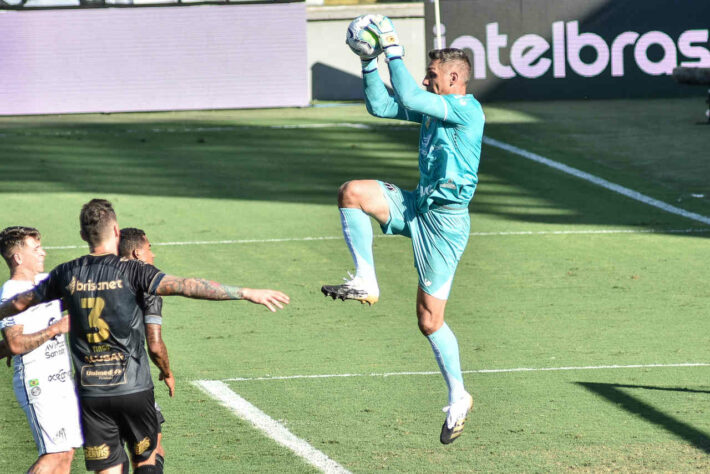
[472, 234]
[630, 193]
[479, 371]
[272, 428]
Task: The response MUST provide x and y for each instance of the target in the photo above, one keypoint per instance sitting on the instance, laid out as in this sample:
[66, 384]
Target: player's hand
[272, 299]
[384, 29]
[63, 324]
[360, 38]
[5, 353]
[169, 380]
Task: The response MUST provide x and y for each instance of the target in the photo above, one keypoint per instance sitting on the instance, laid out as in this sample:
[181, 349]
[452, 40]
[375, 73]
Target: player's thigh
[139, 424]
[402, 209]
[103, 447]
[438, 241]
[57, 420]
[367, 195]
[56, 463]
[52, 413]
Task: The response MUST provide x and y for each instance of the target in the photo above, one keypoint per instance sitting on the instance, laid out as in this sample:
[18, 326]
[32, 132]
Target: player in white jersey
[43, 377]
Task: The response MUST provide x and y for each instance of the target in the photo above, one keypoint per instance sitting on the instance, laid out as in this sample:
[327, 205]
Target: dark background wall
[659, 34]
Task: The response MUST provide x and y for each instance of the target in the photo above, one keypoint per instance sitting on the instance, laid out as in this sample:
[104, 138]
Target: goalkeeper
[434, 215]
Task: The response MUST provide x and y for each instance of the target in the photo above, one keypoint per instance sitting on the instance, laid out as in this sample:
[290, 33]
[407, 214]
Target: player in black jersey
[102, 292]
[134, 245]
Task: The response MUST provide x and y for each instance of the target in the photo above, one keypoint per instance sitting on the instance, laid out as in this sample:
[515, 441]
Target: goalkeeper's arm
[378, 101]
[412, 97]
[409, 95]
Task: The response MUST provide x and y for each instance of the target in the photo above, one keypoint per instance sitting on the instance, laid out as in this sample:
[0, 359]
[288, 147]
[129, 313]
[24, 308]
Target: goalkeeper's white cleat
[456, 415]
[354, 288]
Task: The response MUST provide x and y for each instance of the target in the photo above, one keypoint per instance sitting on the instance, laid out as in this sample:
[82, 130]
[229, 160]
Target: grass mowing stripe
[479, 371]
[272, 428]
[472, 234]
[630, 193]
[627, 192]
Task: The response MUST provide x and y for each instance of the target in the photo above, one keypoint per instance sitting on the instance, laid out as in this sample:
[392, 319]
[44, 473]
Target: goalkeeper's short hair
[447, 55]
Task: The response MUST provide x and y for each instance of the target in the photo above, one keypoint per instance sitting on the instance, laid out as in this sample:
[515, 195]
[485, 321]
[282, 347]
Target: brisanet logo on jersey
[654, 52]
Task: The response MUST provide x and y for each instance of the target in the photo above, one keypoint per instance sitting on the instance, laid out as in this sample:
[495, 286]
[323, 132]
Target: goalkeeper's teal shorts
[439, 237]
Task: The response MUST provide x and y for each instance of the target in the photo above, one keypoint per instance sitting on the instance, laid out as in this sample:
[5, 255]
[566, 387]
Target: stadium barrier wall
[575, 49]
[334, 70]
[153, 58]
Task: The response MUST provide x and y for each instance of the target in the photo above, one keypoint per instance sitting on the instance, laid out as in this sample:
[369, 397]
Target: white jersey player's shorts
[43, 379]
[53, 420]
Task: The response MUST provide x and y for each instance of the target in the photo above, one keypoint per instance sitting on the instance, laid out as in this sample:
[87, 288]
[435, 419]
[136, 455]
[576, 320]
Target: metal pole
[437, 22]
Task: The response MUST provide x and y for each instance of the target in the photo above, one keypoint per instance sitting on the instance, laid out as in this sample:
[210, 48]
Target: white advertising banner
[153, 58]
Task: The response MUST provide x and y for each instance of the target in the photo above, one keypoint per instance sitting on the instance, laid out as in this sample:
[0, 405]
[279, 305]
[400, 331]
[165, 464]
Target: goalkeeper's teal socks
[357, 231]
[446, 350]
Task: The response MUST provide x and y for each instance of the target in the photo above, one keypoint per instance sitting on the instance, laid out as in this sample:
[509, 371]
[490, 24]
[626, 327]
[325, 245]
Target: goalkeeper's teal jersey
[449, 140]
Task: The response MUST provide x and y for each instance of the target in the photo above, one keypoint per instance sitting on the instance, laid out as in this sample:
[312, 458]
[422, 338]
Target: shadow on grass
[613, 394]
[219, 160]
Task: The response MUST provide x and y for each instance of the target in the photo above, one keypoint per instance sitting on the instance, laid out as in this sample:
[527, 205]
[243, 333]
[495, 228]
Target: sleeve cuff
[153, 319]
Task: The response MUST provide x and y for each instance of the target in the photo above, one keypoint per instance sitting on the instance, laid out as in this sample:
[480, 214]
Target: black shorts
[161, 418]
[107, 421]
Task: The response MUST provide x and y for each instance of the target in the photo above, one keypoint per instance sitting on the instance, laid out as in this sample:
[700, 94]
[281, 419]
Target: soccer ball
[362, 41]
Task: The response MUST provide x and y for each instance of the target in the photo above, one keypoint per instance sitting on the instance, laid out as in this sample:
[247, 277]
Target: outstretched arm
[18, 303]
[158, 353]
[211, 290]
[19, 343]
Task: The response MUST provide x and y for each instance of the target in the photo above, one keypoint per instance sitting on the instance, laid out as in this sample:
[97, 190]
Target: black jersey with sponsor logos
[104, 296]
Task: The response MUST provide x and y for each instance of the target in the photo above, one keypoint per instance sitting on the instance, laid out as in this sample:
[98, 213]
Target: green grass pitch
[558, 273]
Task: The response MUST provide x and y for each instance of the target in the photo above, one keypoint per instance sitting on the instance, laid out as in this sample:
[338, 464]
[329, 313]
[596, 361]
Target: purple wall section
[140, 59]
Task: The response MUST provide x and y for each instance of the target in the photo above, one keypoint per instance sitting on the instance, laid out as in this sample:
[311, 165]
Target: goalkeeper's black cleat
[353, 289]
[457, 413]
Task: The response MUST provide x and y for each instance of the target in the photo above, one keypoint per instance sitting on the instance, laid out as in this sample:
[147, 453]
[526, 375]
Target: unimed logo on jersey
[654, 53]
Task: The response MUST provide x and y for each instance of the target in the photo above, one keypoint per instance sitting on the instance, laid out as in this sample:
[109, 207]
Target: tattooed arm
[159, 355]
[18, 303]
[19, 343]
[198, 288]
[211, 290]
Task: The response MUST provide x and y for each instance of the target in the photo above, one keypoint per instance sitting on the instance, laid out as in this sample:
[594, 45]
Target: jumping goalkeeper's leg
[358, 200]
[430, 312]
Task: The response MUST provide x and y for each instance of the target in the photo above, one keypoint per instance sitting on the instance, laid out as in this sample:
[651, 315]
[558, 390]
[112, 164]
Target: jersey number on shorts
[101, 329]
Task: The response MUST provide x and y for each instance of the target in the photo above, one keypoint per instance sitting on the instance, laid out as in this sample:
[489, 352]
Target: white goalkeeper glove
[389, 41]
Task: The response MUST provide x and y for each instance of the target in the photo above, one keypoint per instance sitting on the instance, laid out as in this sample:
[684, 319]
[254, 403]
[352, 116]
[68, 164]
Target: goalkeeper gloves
[389, 41]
